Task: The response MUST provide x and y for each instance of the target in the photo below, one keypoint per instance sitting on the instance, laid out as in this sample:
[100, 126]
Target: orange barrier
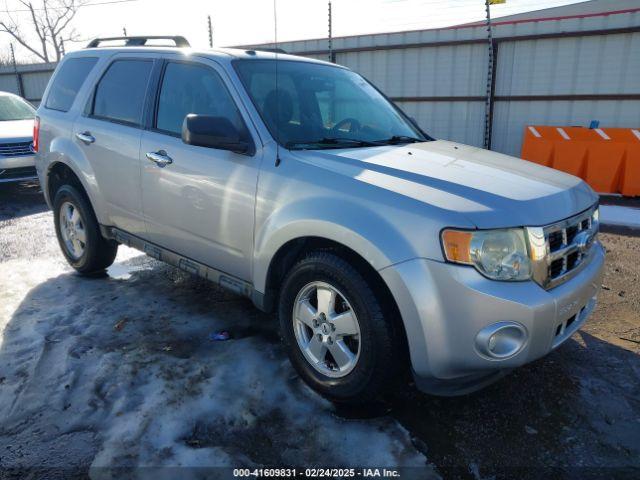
[608, 159]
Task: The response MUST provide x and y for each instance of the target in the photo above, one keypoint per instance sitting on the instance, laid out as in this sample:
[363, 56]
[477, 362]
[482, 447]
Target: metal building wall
[605, 70]
[8, 83]
[32, 79]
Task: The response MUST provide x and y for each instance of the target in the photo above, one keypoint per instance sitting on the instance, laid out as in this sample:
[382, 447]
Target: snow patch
[122, 363]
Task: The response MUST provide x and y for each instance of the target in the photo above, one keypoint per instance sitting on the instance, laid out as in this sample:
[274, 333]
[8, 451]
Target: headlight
[497, 254]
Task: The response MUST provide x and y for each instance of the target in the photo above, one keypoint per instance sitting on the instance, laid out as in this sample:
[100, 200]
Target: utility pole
[124, 31]
[15, 70]
[210, 31]
[490, 73]
[330, 35]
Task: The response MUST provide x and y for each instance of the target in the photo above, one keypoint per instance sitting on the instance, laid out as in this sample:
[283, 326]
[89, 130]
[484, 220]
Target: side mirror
[214, 132]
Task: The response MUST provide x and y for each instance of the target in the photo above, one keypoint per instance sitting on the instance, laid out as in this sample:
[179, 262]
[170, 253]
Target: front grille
[556, 268]
[568, 246]
[555, 240]
[18, 173]
[15, 149]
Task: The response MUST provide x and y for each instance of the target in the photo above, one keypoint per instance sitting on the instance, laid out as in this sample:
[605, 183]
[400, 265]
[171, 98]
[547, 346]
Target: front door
[201, 204]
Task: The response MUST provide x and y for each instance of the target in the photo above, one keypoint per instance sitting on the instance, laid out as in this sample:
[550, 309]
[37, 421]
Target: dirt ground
[572, 414]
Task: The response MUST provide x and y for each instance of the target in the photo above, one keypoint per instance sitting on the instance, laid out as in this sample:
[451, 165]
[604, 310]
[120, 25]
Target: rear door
[110, 133]
[202, 204]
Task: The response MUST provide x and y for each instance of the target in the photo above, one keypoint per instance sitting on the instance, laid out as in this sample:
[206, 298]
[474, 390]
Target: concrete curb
[620, 219]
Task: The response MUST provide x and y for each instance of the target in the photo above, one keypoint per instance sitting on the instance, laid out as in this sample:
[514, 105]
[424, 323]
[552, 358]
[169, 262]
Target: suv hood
[490, 189]
[15, 131]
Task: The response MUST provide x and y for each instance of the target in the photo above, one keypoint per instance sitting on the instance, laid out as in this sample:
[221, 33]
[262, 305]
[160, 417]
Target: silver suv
[298, 184]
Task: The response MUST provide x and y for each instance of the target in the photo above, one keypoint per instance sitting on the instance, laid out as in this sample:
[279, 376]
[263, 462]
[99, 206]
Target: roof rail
[267, 50]
[180, 42]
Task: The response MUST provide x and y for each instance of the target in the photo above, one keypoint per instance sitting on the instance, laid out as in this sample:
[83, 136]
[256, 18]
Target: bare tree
[49, 24]
[5, 57]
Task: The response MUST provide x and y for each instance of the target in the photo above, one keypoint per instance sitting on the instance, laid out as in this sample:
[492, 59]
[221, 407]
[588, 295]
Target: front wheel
[78, 232]
[338, 337]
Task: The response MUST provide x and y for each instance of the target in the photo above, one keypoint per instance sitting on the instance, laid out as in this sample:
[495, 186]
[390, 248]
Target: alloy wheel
[72, 230]
[326, 329]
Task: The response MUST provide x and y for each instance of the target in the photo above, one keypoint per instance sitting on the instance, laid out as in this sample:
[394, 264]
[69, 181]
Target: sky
[243, 22]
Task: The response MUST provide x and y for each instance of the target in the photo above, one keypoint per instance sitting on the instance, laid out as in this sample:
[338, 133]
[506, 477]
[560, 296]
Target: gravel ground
[573, 414]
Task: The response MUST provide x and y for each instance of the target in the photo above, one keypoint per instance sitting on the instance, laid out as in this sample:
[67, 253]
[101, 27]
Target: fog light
[501, 340]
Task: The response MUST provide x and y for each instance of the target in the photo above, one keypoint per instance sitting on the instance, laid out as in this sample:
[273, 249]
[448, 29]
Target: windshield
[321, 106]
[14, 108]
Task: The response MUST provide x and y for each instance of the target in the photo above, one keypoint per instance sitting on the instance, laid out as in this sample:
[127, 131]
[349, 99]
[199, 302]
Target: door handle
[160, 158]
[86, 138]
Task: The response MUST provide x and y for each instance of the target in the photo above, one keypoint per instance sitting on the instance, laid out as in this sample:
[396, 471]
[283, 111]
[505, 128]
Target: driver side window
[191, 88]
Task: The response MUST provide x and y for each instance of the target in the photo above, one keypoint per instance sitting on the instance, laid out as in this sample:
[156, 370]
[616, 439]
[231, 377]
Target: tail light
[36, 135]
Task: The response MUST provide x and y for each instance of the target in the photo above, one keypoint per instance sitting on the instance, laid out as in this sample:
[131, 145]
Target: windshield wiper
[342, 142]
[398, 139]
[331, 142]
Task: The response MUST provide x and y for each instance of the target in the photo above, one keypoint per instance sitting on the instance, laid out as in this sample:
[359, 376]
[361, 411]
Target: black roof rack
[139, 41]
[267, 50]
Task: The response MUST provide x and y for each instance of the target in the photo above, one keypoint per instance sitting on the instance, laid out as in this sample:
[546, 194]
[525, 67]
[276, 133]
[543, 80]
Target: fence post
[490, 80]
[331, 57]
[492, 97]
[15, 70]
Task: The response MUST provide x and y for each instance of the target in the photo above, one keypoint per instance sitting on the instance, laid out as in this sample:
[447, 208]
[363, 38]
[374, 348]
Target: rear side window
[68, 81]
[121, 92]
[189, 88]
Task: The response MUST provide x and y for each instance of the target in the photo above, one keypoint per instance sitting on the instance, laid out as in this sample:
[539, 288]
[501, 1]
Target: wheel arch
[66, 161]
[353, 225]
[296, 249]
[59, 174]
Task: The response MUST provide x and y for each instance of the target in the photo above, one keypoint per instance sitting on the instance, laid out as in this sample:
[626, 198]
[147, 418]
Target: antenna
[275, 34]
[210, 31]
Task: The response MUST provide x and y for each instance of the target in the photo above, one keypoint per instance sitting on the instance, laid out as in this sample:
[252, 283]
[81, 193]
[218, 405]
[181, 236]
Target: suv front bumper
[444, 307]
[18, 168]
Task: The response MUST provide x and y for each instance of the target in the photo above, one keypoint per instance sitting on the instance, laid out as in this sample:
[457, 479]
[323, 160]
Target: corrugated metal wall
[412, 72]
[8, 83]
[595, 67]
[31, 79]
[459, 121]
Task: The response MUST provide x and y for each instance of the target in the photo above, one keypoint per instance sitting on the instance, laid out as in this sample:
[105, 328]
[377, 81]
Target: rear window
[121, 92]
[68, 82]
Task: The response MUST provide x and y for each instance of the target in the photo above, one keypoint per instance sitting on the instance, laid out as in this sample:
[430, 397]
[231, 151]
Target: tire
[376, 346]
[93, 253]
